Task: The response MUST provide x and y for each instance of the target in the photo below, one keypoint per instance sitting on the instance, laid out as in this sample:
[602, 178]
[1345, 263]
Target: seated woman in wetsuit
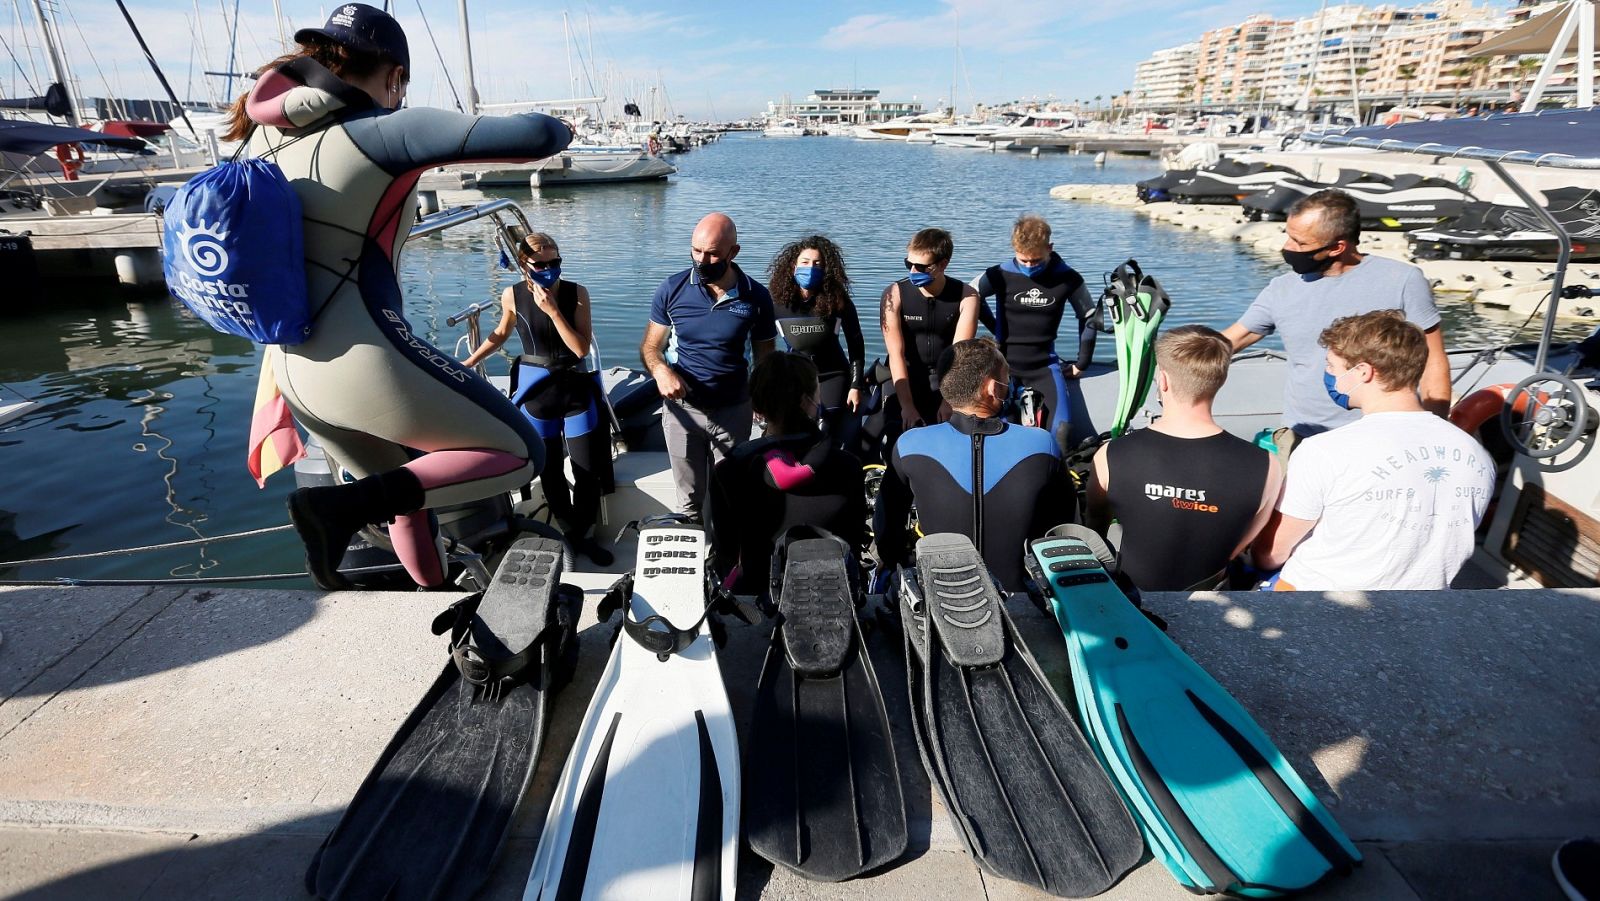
[811, 297]
[548, 382]
[923, 314]
[789, 477]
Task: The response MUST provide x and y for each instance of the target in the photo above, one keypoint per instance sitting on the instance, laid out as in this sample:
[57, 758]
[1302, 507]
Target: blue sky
[714, 56]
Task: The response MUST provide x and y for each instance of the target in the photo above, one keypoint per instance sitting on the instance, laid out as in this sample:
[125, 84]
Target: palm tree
[1528, 68]
[1406, 72]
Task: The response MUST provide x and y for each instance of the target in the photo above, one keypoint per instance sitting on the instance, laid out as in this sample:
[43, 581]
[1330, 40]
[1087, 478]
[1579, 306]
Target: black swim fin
[822, 789]
[1026, 793]
[431, 816]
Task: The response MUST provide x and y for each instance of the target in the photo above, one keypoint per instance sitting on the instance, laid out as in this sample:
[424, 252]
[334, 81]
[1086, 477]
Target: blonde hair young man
[1188, 496]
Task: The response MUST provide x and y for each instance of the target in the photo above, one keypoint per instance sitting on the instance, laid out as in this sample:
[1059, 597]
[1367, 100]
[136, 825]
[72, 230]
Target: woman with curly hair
[811, 296]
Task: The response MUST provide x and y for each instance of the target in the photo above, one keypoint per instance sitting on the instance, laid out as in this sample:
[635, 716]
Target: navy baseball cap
[364, 29]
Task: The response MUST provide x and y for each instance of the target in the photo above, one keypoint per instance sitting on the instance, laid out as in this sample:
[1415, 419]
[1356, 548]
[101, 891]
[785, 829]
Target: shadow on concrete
[58, 638]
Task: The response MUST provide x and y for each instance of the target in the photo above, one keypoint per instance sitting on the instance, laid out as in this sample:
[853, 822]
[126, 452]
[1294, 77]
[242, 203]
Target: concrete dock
[199, 743]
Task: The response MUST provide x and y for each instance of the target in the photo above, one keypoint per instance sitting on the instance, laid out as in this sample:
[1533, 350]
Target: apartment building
[1166, 79]
[1382, 53]
[1429, 59]
[1232, 63]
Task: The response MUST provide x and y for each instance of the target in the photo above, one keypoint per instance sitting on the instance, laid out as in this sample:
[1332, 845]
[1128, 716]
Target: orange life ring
[71, 158]
[1482, 405]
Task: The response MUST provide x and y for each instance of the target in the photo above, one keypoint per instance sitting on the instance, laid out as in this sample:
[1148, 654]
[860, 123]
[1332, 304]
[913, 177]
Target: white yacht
[966, 134]
[786, 128]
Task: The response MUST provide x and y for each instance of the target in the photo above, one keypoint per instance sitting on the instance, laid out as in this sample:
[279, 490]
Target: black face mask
[709, 271]
[1305, 262]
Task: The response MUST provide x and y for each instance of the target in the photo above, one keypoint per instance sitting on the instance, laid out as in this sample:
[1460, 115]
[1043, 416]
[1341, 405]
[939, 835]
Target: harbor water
[141, 429]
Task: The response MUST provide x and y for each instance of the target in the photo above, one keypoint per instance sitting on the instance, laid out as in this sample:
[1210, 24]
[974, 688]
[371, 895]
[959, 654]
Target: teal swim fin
[1138, 305]
[1217, 802]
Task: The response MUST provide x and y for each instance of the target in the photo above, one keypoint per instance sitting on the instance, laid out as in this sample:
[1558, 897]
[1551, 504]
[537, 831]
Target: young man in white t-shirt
[1391, 500]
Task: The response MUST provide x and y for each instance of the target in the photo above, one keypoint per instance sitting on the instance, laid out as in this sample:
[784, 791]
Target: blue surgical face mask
[1332, 384]
[808, 277]
[544, 278]
[920, 279]
[1032, 271]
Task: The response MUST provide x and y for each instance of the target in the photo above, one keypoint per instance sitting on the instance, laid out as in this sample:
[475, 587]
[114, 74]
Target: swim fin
[1218, 803]
[1025, 792]
[822, 789]
[648, 803]
[431, 817]
[1138, 305]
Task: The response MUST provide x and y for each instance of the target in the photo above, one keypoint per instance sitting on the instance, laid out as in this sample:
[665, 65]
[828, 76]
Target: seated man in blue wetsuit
[1032, 293]
[995, 482]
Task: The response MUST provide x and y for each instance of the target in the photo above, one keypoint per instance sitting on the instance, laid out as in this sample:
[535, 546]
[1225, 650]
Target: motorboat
[1229, 181]
[973, 135]
[1505, 229]
[902, 127]
[786, 128]
[1401, 203]
[1544, 527]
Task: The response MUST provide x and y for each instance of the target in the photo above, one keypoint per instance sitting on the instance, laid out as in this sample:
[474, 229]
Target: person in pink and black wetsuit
[418, 429]
[789, 477]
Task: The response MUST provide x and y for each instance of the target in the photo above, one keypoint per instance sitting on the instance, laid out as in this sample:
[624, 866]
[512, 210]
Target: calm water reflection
[140, 436]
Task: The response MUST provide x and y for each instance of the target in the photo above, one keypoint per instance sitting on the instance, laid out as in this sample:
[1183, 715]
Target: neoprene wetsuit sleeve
[1083, 305]
[1058, 502]
[889, 519]
[855, 346]
[985, 290]
[722, 523]
[420, 137]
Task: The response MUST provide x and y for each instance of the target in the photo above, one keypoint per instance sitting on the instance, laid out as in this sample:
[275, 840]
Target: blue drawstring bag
[234, 246]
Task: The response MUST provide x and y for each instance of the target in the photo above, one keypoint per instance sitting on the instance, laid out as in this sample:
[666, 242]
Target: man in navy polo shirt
[694, 346]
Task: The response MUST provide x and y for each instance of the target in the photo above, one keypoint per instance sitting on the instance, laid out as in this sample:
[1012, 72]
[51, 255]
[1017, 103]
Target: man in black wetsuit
[1188, 495]
[922, 315]
[1032, 293]
[995, 482]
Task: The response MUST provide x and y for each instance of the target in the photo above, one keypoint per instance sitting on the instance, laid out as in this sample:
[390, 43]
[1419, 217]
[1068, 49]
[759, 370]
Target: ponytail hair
[779, 387]
[336, 58]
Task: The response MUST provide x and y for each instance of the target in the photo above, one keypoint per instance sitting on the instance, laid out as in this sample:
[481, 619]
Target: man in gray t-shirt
[1331, 280]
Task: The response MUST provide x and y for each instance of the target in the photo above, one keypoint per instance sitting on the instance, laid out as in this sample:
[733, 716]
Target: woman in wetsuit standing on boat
[416, 428]
[552, 317]
[811, 298]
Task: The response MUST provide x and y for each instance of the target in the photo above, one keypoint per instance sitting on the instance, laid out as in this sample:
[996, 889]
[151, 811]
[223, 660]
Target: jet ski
[1154, 190]
[1496, 231]
[1272, 205]
[1406, 202]
[1228, 181]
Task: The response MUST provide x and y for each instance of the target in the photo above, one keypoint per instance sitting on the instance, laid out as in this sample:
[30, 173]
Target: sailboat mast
[57, 68]
[277, 16]
[566, 31]
[466, 54]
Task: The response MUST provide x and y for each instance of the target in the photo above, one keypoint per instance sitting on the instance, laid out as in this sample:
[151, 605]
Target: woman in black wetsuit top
[791, 476]
[811, 297]
[922, 315]
[551, 315]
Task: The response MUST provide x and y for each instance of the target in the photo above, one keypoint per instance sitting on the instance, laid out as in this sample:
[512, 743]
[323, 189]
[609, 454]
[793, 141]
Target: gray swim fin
[1026, 793]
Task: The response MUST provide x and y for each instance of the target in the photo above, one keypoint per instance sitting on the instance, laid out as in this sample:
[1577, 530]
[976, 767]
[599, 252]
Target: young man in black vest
[1032, 293]
[1188, 496]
